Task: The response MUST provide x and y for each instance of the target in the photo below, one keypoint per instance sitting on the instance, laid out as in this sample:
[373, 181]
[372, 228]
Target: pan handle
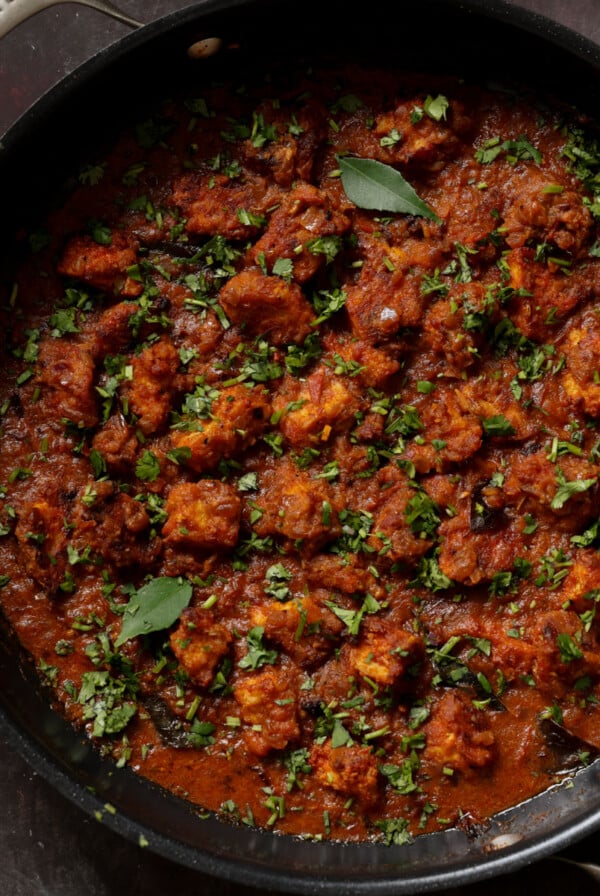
[13, 12]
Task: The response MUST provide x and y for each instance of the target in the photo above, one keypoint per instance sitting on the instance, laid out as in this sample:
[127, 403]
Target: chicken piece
[290, 156]
[238, 417]
[455, 326]
[372, 366]
[426, 141]
[345, 574]
[534, 213]
[401, 525]
[555, 651]
[582, 585]
[300, 510]
[42, 540]
[580, 378]
[536, 485]
[267, 306]
[350, 770]
[472, 557]
[306, 631]
[304, 217]
[456, 431]
[401, 135]
[562, 656]
[113, 526]
[386, 295]
[100, 266]
[202, 516]
[66, 375]
[118, 444]
[199, 643]
[317, 407]
[150, 391]
[212, 203]
[458, 736]
[544, 298]
[384, 655]
[489, 397]
[268, 706]
[112, 332]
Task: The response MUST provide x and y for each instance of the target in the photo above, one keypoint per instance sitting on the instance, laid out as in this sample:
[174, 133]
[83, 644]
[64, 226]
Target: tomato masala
[300, 451]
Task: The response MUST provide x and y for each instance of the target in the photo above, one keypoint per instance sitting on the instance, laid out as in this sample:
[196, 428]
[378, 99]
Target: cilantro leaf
[326, 304]
[147, 467]
[589, 537]
[353, 618]
[296, 763]
[401, 777]
[283, 267]
[514, 151]
[100, 233]
[64, 321]
[436, 107]
[258, 655]
[104, 700]
[421, 515]
[498, 425]
[340, 737]
[394, 831]
[276, 578]
[200, 734]
[566, 490]
[430, 576]
[569, 650]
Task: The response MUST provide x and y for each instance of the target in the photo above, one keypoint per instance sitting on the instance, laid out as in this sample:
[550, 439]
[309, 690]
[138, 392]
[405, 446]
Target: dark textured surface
[48, 847]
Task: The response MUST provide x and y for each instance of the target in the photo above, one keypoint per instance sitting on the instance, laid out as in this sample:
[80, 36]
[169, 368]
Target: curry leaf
[372, 185]
[155, 606]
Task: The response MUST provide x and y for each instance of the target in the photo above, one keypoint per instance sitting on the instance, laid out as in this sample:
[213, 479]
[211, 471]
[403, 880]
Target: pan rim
[309, 882]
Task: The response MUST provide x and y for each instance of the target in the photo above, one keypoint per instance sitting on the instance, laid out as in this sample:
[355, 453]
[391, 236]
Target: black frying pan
[490, 40]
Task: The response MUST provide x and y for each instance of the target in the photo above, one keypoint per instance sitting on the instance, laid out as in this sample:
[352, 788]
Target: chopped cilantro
[401, 777]
[421, 514]
[497, 425]
[513, 150]
[147, 467]
[296, 763]
[436, 107]
[430, 576]
[106, 701]
[569, 650]
[257, 655]
[566, 490]
[394, 831]
[200, 734]
[277, 577]
[326, 304]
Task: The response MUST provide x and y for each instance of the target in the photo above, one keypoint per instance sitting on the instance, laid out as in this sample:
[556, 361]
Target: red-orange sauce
[351, 455]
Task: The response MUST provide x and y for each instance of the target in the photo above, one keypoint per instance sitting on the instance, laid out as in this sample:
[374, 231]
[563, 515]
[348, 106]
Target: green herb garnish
[370, 184]
[155, 606]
